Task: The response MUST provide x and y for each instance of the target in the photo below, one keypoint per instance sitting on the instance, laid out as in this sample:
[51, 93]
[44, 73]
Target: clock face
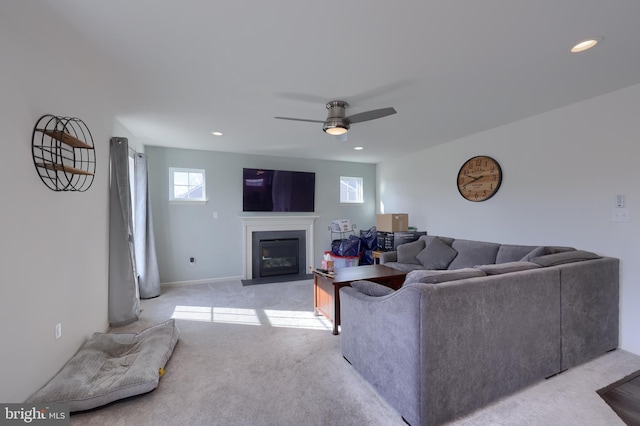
[479, 178]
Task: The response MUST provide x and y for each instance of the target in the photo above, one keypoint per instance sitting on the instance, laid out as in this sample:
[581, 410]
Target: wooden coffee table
[326, 287]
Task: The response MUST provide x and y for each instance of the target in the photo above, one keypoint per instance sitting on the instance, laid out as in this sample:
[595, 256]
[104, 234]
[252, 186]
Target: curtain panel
[124, 298]
[145, 248]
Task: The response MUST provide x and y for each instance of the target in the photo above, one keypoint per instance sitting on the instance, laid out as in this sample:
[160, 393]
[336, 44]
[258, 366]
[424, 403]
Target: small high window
[351, 190]
[187, 185]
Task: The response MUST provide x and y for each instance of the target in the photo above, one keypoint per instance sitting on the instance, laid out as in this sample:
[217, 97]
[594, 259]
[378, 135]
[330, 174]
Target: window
[187, 185]
[351, 190]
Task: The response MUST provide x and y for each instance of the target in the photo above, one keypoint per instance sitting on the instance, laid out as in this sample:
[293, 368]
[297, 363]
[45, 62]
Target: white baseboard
[204, 281]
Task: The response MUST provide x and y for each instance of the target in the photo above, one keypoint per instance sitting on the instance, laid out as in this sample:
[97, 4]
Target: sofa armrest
[380, 337]
[590, 309]
[388, 256]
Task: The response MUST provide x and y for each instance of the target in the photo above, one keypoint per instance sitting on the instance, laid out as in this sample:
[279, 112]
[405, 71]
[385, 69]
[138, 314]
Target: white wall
[53, 245]
[183, 231]
[562, 170]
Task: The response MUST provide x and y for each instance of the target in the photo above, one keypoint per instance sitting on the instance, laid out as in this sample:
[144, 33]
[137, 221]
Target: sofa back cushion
[538, 251]
[561, 258]
[407, 252]
[512, 253]
[436, 255]
[472, 253]
[429, 238]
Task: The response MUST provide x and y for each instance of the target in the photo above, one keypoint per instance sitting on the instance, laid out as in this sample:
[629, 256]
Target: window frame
[173, 199]
[358, 191]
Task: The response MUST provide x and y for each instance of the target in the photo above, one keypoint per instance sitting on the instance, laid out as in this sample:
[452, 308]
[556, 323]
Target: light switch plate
[620, 215]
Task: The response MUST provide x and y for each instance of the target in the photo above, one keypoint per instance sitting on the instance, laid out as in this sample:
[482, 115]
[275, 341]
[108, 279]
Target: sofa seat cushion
[436, 255]
[372, 289]
[435, 277]
[472, 253]
[407, 252]
[404, 267]
[565, 257]
[505, 268]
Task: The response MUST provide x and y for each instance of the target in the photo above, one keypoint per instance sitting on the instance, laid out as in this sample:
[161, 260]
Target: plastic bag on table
[367, 257]
[346, 247]
[369, 238]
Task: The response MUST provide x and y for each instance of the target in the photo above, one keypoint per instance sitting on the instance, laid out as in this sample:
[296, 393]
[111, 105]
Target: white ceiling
[450, 68]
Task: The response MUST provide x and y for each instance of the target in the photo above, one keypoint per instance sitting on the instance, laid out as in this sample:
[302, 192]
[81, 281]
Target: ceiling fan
[337, 124]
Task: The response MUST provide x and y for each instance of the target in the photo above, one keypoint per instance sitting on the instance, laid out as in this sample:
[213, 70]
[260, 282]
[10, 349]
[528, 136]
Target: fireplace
[278, 253]
[257, 224]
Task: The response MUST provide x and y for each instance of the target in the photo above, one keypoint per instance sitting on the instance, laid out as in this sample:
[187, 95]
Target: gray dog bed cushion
[111, 366]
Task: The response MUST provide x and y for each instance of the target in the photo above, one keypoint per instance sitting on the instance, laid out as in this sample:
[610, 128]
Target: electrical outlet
[192, 261]
[58, 329]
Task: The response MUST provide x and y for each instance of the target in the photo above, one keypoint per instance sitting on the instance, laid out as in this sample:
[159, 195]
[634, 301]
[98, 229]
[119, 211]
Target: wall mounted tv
[278, 191]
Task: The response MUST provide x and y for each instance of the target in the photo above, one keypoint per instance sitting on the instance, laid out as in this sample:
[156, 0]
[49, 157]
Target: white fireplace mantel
[251, 224]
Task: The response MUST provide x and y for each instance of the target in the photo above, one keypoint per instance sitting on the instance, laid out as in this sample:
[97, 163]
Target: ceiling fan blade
[299, 119]
[370, 115]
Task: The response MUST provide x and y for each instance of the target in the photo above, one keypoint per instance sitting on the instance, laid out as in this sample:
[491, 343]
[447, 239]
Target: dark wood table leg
[336, 308]
[336, 305]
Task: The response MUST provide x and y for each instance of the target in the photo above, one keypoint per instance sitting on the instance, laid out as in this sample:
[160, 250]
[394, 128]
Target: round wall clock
[479, 178]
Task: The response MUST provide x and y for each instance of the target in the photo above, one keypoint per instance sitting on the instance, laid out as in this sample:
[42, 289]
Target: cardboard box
[392, 222]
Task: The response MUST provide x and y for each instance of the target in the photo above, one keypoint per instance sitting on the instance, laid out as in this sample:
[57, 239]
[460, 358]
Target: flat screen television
[278, 191]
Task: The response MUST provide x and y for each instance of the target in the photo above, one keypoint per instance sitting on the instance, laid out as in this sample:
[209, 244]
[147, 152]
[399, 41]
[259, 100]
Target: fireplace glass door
[279, 257]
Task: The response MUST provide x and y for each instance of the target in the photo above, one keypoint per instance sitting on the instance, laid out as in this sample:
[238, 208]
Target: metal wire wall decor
[63, 153]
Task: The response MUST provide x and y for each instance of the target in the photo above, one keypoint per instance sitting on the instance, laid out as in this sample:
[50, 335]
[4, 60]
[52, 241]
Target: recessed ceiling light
[217, 133]
[585, 44]
[358, 148]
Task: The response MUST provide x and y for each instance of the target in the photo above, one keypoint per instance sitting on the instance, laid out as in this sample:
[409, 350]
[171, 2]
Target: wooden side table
[376, 257]
[326, 287]
[323, 294]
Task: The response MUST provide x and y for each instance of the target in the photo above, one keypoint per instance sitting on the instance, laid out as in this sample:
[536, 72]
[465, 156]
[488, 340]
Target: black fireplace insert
[278, 253]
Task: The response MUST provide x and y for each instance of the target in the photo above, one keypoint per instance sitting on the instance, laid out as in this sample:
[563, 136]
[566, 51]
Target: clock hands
[475, 179]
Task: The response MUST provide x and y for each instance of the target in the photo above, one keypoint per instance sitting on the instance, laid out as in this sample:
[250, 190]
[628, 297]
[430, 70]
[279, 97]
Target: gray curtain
[124, 299]
[145, 248]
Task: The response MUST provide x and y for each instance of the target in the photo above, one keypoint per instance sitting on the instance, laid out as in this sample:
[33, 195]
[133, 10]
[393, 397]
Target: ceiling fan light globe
[336, 131]
[335, 126]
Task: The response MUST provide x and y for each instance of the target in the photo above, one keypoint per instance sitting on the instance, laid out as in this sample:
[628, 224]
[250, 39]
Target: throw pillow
[437, 255]
[435, 277]
[505, 268]
[538, 251]
[407, 252]
[565, 257]
[372, 289]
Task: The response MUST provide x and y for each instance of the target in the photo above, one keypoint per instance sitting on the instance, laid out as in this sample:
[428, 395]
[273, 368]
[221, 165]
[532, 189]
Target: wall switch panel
[620, 215]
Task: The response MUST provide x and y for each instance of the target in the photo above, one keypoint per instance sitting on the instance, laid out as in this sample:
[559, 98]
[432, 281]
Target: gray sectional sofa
[495, 319]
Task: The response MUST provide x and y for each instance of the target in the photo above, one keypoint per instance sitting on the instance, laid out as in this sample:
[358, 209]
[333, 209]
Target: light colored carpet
[256, 355]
